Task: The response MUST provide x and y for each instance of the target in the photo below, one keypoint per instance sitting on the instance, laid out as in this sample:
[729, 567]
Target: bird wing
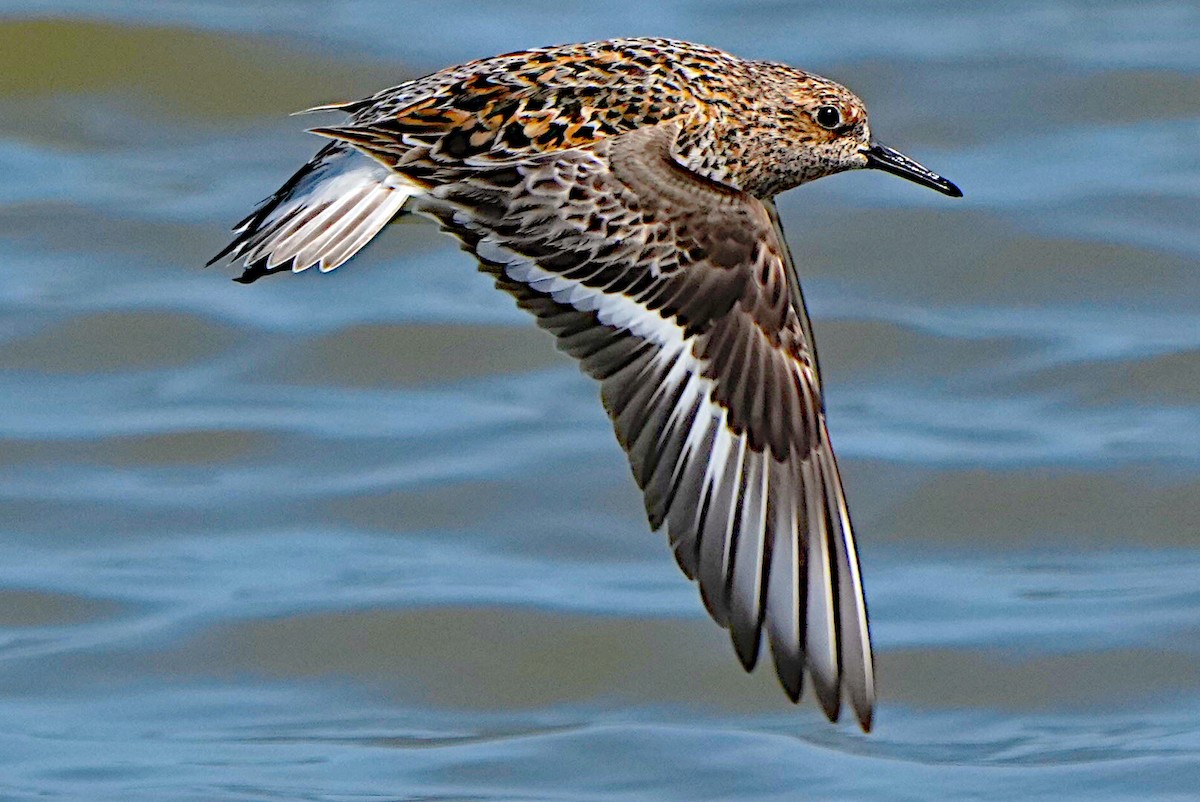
[678, 294]
[324, 214]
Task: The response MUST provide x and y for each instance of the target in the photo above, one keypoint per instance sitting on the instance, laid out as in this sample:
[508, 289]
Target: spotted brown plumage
[622, 192]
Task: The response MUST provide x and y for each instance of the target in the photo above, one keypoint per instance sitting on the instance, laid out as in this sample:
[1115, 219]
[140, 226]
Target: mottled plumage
[622, 192]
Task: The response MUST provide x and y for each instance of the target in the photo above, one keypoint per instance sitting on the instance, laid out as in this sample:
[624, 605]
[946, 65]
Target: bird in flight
[623, 193]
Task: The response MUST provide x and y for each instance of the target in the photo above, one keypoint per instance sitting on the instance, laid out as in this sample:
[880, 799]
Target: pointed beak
[896, 163]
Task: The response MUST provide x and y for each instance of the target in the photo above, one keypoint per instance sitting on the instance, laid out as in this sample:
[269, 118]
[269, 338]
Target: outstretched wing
[678, 294]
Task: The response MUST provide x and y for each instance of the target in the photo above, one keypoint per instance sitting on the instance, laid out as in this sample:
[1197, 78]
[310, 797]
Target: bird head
[822, 128]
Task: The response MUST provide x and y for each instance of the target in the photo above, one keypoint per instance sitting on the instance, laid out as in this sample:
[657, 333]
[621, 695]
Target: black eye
[828, 117]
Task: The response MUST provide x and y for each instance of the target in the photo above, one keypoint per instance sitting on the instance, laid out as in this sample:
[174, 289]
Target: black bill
[896, 163]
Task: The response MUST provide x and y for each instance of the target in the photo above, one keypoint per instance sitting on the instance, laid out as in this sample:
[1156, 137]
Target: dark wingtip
[864, 706]
[746, 645]
[830, 701]
[228, 249]
[791, 682]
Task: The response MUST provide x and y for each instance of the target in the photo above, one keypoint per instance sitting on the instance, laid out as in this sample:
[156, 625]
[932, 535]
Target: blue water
[367, 536]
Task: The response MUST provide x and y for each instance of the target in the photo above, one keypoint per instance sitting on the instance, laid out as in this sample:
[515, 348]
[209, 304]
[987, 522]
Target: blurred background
[368, 536]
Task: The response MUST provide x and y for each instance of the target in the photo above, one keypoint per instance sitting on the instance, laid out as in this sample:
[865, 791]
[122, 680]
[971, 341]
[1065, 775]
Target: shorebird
[623, 192]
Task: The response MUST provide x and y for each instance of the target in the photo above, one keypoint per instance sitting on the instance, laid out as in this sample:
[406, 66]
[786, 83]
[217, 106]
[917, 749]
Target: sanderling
[622, 192]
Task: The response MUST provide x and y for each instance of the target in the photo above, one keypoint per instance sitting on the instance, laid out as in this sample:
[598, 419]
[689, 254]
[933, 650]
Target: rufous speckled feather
[622, 192]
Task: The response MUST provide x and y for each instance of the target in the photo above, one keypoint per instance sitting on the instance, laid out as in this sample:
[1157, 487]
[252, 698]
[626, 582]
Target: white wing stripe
[722, 481]
[745, 601]
[821, 625]
[785, 588]
[612, 309]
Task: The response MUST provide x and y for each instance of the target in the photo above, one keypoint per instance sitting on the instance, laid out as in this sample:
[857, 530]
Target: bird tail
[323, 215]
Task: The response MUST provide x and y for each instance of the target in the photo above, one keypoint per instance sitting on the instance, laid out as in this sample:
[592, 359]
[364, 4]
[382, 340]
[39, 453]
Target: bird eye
[828, 117]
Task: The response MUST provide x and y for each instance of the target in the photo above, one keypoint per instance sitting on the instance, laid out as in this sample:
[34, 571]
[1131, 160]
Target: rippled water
[367, 536]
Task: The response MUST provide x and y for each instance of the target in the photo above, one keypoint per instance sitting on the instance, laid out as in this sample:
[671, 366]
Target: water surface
[368, 536]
